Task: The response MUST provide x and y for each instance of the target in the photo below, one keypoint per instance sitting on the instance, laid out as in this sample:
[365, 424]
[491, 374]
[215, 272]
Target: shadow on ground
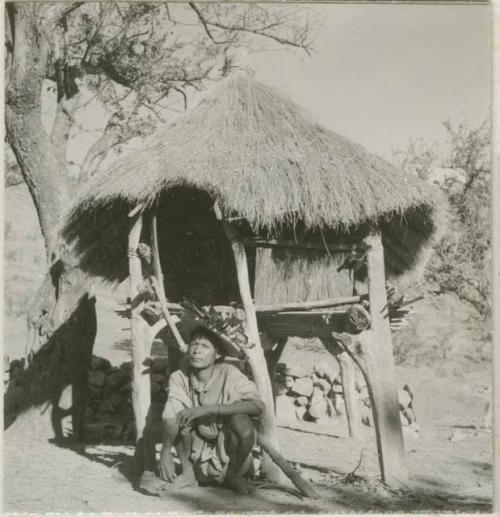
[357, 495]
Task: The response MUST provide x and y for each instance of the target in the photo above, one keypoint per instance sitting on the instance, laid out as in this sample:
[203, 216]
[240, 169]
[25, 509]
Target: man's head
[204, 349]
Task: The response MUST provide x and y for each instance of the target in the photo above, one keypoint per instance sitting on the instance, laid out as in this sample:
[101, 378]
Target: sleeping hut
[245, 199]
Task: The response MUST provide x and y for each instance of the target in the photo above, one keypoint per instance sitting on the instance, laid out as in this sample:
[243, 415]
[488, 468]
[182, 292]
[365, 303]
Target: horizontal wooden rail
[305, 306]
[284, 243]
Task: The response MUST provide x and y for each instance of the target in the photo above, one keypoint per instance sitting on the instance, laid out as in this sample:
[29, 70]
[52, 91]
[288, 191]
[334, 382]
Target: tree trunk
[59, 361]
[62, 320]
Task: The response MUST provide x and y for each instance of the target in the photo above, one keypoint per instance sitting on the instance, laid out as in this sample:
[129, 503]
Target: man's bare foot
[151, 483]
[185, 480]
[237, 484]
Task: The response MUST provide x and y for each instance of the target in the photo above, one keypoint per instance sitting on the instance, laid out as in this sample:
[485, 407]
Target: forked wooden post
[141, 383]
[349, 389]
[255, 354]
[378, 354]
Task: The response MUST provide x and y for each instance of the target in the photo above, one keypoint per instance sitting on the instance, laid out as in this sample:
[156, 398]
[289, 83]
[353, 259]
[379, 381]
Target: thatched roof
[261, 157]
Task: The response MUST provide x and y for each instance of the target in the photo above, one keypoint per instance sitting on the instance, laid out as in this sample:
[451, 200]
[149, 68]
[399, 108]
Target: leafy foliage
[461, 262]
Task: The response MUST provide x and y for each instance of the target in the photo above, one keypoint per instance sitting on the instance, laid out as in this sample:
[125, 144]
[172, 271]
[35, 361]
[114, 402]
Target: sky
[380, 74]
[383, 74]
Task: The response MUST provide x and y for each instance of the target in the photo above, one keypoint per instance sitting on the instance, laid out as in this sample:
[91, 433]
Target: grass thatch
[257, 153]
[259, 156]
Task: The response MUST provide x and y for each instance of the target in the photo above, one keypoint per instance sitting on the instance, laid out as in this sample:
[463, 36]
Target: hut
[246, 199]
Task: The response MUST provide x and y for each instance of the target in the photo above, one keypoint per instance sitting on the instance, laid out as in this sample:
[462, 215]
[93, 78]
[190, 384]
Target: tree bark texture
[62, 320]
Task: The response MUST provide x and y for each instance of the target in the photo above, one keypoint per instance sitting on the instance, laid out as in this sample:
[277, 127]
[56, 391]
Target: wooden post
[255, 354]
[379, 364]
[349, 390]
[141, 383]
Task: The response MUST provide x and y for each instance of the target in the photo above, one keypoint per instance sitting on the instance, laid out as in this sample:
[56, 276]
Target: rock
[337, 388]
[280, 368]
[326, 371]
[404, 398]
[300, 412]
[116, 400]
[89, 412]
[94, 391]
[301, 401]
[105, 406]
[127, 368]
[126, 388]
[289, 382]
[97, 378]
[279, 384]
[296, 370]
[99, 363]
[318, 407]
[303, 386]
[116, 379]
[339, 405]
[323, 385]
[160, 365]
[285, 409]
[161, 396]
[159, 378]
[155, 388]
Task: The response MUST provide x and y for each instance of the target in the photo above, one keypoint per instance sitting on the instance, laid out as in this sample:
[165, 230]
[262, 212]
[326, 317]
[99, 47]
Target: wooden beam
[304, 306]
[379, 363]
[255, 354]
[141, 383]
[256, 242]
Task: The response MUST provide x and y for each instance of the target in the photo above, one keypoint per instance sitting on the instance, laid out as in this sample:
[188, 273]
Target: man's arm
[242, 407]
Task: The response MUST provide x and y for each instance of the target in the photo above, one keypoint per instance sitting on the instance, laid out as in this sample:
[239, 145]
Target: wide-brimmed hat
[228, 340]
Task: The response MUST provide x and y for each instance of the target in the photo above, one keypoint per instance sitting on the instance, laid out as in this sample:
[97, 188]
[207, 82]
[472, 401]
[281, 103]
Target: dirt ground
[450, 463]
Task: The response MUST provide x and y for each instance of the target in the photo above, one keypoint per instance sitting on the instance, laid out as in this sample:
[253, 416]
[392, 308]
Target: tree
[135, 59]
[462, 260]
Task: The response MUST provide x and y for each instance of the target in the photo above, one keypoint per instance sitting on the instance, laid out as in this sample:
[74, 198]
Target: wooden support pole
[255, 354]
[379, 364]
[304, 486]
[349, 390]
[141, 383]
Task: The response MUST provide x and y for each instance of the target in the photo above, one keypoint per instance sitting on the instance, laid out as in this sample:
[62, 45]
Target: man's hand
[186, 416]
[167, 465]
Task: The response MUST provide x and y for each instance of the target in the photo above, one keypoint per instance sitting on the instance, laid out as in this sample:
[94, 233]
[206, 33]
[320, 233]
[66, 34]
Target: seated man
[207, 418]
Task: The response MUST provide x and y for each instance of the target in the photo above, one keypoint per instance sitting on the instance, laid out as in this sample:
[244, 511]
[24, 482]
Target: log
[304, 486]
[357, 319]
[379, 363]
[305, 306]
[255, 354]
[141, 385]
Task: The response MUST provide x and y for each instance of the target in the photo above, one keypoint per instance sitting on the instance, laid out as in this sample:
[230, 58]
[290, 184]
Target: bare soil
[450, 463]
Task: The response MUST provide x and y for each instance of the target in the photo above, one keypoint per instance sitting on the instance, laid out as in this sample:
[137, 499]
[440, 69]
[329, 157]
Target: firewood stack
[400, 310]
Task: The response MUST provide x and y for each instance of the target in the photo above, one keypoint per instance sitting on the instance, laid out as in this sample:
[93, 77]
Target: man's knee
[242, 426]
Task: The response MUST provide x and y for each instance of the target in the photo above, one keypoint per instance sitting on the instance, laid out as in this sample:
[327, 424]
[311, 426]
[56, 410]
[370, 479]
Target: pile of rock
[109, 414]
[318, 396]
[315, 396]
